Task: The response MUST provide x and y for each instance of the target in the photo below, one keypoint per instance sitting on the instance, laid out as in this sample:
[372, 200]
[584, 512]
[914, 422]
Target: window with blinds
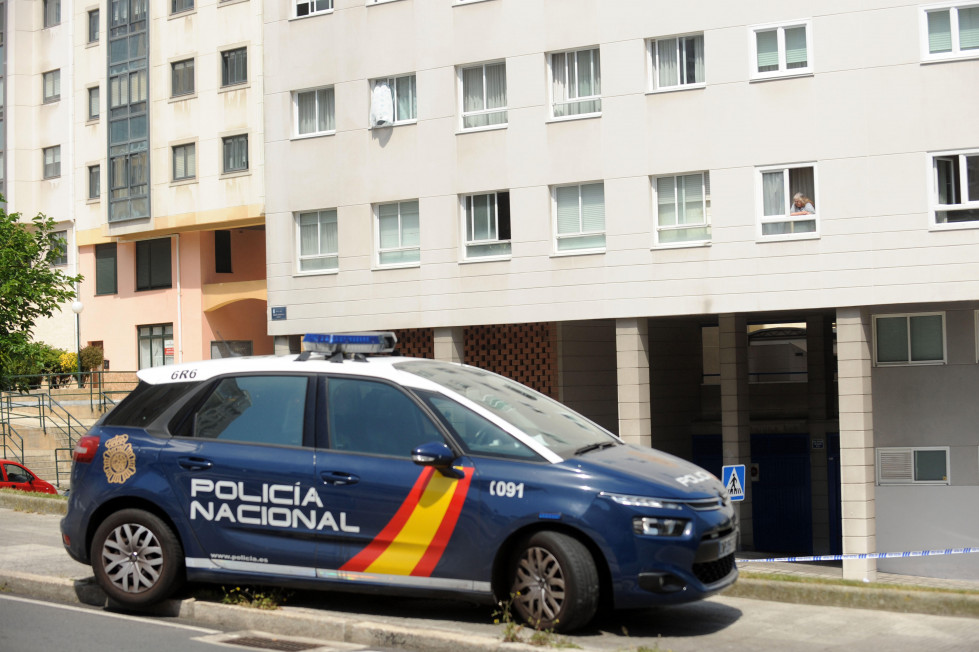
[913, 465]
[951, 31]
[682, 204]
[579, 214]
[105, 268]
[487, 225]
[184, 162]
[398, 236]
[153, 267]
[484, 102]
[318, 241]
[676, 62]
[781, 50]
[314, 111]
[576, 83]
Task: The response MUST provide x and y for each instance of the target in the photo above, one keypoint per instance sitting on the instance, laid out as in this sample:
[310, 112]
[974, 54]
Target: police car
[336, 470]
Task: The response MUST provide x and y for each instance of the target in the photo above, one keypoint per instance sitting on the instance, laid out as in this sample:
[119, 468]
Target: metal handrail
[24, 401]
[66, 420]
[7, 431]
[58, 461]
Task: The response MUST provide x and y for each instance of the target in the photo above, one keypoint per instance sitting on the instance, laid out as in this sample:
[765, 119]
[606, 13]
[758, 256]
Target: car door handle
[194, 463]
[339, 478]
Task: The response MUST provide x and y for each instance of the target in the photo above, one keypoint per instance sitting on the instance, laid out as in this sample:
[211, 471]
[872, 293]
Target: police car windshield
[550, 423]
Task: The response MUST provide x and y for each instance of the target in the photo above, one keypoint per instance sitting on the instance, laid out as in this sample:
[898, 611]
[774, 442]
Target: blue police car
[336, 470]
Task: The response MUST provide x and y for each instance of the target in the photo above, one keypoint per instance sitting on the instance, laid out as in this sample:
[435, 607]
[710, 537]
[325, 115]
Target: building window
[234, 67]
[59, 248]
[230, 348]
[318, 241]
[222, 252]
[676, 62]
[682, 208]
[393, 101]
[579, 213]
[52, 86]
[52, 162]
[153, 264]
[93, 103]
[314, 111]
[177, 6]
[235, 153]
[576, 83]
[956, 196]
[951, 31]
[94, 181]
[484, 95]
[398, 233]
[155, 345]
[182, 78]
[184, 162]
[487, 224]
[93, 26]
[52, 12]
[781, 50]
[781, 190]
[311, 7]
[909, 339]
[105, 268]
[913, 465]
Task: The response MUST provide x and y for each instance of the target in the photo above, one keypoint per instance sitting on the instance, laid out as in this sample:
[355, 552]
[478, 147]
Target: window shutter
[105, 268]
[328, 232]
[593, 207]
[308, 234]
[939, 32]
[795, 48]
[388, 226]
[568, 220]
[767, 43]
[409, 224]
[666, 201]
[693, 199]
[895, 465]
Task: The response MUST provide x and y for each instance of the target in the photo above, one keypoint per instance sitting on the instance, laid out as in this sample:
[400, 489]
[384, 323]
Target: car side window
[478, 435]
[255, 409]
[16, 474]
[375, 418]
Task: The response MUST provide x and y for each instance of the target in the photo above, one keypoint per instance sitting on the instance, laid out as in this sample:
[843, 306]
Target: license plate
[726, 546]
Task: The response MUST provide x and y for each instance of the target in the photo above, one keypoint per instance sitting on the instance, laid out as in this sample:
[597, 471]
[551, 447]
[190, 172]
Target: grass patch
[801, 579]
[31, 494]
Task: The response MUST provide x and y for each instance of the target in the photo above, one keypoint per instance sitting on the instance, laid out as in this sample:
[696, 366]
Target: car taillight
[85, 449]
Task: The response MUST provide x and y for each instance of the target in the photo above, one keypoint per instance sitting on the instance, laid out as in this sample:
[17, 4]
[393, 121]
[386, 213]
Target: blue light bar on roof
[380, 342]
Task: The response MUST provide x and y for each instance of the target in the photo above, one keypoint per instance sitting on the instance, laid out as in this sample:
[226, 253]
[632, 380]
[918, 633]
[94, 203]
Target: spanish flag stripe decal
[435, 549]
[362, 560]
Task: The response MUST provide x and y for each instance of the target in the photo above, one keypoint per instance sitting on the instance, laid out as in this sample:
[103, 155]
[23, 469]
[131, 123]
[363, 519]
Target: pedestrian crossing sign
[733, 478]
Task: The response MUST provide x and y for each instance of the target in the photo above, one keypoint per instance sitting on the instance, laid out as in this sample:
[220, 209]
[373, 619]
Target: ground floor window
[909, 339]
[230, 348]
[912, 465]
[155, 345]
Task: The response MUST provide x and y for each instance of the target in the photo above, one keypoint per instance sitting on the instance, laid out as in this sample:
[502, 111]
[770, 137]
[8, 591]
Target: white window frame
[653, 64]
[896, 465]
[705, 204]
[783, 69]
[463, 114]
[392, 84]
[497, 248]
[329, 256]
[295, 112]
[956, 51]
[51, 78]
[909, 362]
[311, 8]
[581, 233]
[962, 181]
[378, 250]
[788, 192]
[575, 99]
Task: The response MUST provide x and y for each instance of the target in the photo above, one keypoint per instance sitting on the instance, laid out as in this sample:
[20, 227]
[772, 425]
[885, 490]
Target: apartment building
[597, 198]
[168, 188]
[35, 131]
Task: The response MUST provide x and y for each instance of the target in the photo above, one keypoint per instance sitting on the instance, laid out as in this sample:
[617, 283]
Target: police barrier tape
[867, 555]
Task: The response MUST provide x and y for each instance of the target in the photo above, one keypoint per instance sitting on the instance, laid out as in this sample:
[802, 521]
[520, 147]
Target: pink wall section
[113, 319]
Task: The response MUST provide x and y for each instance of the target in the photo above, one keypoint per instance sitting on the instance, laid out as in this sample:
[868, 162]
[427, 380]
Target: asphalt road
[30, 544]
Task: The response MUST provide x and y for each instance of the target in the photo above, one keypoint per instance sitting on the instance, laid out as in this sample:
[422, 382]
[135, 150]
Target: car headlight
[662, 527]
[641, 501]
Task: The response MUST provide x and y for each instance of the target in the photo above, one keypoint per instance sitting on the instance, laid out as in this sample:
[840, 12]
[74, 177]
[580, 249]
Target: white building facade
[612, 184]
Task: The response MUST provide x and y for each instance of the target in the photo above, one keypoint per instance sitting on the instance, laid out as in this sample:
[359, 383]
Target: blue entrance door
[781, 494]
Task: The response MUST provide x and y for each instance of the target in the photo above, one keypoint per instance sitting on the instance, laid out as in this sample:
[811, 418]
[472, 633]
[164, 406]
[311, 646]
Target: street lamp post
[77, 307]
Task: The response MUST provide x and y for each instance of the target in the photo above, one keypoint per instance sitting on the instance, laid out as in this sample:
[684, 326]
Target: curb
[929, 602]
[23, 501]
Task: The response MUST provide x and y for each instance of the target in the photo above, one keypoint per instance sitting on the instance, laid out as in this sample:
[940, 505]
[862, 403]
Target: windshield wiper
[594, 447]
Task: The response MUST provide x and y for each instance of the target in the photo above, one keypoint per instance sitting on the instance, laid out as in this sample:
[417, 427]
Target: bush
[92, 358]
[68, 362]
[22, 360]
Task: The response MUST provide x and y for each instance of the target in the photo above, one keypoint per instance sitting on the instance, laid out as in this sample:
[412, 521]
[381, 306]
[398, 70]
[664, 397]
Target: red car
[14, 475]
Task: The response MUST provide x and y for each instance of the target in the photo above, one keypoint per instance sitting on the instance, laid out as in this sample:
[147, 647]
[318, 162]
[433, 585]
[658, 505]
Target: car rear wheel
[137, 558]
[554, 582]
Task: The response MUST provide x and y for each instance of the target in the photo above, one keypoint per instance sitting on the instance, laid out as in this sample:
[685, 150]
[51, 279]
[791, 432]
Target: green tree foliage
[31, 288]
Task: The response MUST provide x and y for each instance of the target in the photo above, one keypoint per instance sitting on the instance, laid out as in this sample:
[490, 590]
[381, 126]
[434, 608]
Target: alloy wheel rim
[132, 558]
[539, 585]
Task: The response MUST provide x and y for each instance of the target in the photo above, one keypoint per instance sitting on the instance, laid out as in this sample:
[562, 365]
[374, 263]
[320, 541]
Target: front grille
[714, 571]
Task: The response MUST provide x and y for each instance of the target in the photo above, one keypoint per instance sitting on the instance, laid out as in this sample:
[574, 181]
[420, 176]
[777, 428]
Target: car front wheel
[137, 558]
[554, 582]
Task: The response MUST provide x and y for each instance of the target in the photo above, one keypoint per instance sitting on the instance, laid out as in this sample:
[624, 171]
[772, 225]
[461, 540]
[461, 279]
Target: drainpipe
[180, 330]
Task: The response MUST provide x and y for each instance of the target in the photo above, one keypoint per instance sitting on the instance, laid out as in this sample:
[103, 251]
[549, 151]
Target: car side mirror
[436, 454]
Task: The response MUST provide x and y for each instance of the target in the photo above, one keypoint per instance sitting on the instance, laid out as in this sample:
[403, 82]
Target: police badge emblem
[119, 461]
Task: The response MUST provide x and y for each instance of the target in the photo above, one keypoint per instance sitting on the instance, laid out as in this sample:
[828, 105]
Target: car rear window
[145, 403]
